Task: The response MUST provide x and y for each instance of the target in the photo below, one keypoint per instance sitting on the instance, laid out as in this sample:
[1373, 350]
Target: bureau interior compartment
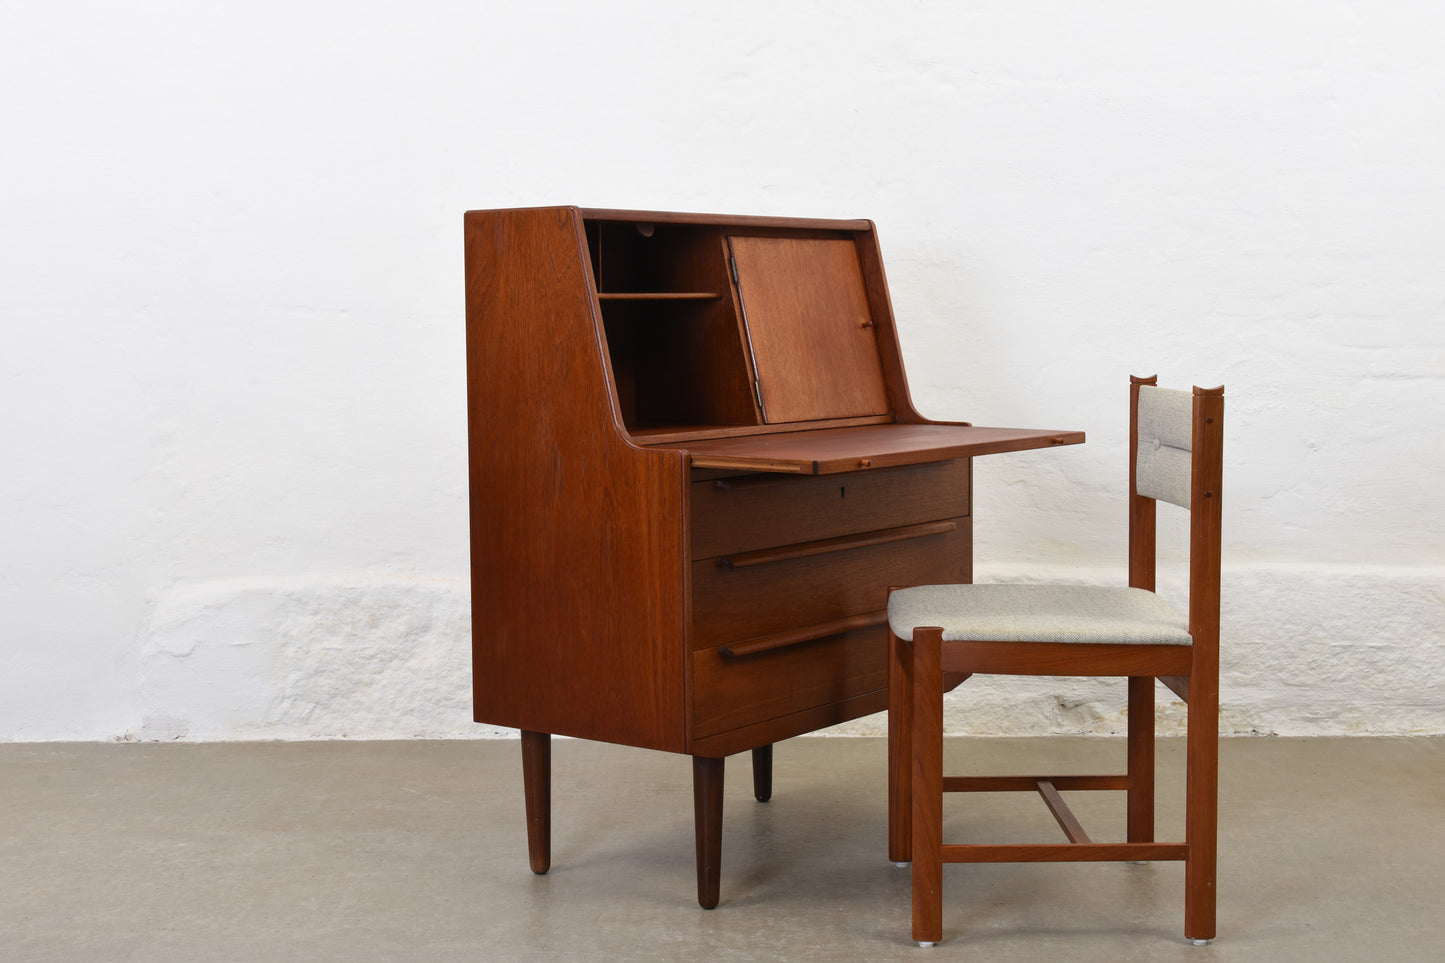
[711, 327]
[672, 326]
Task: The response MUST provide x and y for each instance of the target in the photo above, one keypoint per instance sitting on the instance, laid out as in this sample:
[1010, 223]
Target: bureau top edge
[739, 220]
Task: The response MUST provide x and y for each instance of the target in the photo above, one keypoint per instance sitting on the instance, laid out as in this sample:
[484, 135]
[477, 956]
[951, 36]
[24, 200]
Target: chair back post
[1202, 767]
[1141, 508]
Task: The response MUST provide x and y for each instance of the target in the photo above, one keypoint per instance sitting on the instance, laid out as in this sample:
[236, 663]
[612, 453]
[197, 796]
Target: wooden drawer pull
[841, 544]
[782, 640]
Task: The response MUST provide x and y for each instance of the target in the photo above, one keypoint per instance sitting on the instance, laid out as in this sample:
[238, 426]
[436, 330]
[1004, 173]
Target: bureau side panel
[577, 536]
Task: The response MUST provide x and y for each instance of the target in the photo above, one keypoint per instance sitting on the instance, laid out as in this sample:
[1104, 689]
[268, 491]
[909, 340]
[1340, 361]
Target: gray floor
[1331, 849]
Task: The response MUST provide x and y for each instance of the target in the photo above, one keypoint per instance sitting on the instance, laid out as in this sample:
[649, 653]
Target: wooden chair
[941, 634]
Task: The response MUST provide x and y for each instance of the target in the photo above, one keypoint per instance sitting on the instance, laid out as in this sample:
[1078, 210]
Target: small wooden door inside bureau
[805, 306]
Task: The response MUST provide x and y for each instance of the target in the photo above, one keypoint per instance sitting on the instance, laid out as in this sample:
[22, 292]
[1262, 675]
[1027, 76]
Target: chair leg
[1140, 822]
[1201, 808]
[927, 789]
[537, 787]
[900, 755]
[707, 804]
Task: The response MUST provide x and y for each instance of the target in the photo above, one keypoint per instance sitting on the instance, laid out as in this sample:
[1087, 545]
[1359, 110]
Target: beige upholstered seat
[942, 634]
[1039, 613]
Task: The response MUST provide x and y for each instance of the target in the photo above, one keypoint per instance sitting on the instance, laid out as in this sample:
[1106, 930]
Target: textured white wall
[232, 419]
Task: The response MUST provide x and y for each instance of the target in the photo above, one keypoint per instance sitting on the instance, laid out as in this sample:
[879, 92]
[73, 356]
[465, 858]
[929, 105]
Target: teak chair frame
[923, 667]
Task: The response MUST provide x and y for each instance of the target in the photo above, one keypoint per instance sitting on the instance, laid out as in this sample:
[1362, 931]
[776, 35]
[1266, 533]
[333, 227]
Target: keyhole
[842, 491]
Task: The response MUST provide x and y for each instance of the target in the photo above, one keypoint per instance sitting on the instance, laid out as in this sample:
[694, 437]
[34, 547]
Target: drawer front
[750, 512]
[730, 692]
[742, 597]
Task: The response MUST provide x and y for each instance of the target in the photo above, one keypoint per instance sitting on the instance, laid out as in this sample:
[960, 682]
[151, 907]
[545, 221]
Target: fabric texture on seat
[1039, 613]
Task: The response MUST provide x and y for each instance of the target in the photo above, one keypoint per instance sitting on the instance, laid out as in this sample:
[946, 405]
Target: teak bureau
[695, 471]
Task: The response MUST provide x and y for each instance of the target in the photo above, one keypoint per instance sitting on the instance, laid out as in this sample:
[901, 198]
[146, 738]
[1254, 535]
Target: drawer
[747, 595]
[748, 512]
[730, 692]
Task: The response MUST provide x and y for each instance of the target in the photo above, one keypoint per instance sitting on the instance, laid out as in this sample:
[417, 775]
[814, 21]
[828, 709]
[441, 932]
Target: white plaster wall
[232, 425]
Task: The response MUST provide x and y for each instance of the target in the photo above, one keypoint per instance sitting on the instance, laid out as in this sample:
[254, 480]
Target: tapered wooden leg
[1201, 815]
[900, 753]
[707, 804]
[927, 738]
[537, 786]
[1140, 824]
[763, 773]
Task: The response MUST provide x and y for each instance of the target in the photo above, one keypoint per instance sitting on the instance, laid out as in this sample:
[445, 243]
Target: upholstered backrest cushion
[1166, 438]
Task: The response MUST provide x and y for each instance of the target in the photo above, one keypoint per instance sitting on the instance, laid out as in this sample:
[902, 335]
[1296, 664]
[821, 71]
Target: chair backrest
[1165, 433]
[1176, 454]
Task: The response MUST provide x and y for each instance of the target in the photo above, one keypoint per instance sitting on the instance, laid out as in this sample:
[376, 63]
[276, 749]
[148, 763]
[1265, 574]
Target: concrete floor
[1330, 849]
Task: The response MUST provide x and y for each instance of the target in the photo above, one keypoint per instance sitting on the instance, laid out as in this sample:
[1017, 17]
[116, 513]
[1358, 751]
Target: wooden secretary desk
[695, 471]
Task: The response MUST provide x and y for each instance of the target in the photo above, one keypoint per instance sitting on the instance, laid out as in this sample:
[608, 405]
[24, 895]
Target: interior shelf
[658, 296]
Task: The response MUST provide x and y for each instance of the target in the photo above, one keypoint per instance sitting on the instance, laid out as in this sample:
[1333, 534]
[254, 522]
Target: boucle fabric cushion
[1039, 613]
[1166, 436]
